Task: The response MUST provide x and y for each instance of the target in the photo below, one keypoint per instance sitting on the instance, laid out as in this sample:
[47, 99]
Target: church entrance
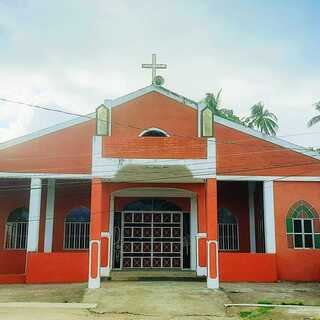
[151, 233]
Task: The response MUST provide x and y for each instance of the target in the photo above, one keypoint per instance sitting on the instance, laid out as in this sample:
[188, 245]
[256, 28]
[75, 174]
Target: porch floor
[154, 275]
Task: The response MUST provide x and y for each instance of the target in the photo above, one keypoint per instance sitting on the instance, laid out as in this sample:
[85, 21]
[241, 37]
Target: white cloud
[73, 54]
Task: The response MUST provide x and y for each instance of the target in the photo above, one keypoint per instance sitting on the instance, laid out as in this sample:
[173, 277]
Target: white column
[34, 215]
[252, 223]
[48, 235]
[269, 225]
[193, 232]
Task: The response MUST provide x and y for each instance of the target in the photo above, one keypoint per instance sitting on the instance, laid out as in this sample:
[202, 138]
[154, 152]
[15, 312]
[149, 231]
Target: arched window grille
[303, 226]
[153, 132]
[16, 234]
[228, 231]
[76, 229]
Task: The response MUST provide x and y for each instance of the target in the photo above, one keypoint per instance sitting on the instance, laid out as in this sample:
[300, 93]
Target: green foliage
[264, 302]
[262, 119]
[261, 311]
[315, 119]
[259, 118]
[293, 303]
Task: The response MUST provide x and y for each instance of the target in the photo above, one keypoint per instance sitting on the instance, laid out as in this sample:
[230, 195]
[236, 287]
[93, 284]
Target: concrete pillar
[269, 224]
[48, 233]
[95, 233]
[252, 222]
[34, 215]
[212, 231]
[193, 232]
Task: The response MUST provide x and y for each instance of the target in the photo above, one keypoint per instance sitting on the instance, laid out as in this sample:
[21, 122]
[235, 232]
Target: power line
[127, 125]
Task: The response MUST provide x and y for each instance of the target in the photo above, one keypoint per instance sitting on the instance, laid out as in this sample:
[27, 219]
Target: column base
[212, 283]
[94, 283]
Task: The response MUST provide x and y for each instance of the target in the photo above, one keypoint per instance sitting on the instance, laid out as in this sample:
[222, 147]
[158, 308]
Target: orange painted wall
[68, 196]
[249, 267]
[295, 264]
[12, 196]
[242, 154]
[233, 195]
[153, 110]
[65, 151]
[59, 267]
[12, 261]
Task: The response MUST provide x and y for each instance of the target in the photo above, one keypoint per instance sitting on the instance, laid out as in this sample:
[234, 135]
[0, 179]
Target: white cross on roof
[154, 66]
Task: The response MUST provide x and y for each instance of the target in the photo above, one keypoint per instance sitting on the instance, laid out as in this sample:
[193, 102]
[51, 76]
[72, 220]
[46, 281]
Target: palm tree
[213, 101]
[315, 119]
[262, 119]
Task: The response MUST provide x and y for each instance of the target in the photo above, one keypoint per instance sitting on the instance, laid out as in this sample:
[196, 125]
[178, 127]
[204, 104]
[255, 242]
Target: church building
[153, 181]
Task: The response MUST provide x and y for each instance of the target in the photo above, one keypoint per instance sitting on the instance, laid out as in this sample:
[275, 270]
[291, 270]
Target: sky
[74, 54]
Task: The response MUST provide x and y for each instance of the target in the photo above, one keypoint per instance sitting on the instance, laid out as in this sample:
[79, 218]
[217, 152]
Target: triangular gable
[242, 151]
[111, 103]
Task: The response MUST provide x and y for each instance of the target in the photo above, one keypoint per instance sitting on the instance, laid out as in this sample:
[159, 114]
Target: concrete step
[154, 275]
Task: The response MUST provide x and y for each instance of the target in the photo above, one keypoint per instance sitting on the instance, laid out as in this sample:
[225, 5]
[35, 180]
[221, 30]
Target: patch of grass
[255, 313]
[264, 302]
[293, 303]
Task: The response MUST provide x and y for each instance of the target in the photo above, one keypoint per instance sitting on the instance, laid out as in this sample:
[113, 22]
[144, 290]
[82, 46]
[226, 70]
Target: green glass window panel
[289, 225]
[207, 123]
[307, 226]
[102, 121]
[297, 226]
[301, 209]
[298, 241]
[308, 241]
[309, 212]
[317, 241]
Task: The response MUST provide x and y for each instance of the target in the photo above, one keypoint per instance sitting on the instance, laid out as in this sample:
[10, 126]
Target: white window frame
[85, 225]
[302, 233]
[154, 129]
[13, 242]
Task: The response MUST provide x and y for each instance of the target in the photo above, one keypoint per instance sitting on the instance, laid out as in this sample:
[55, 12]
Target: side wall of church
[295, 264]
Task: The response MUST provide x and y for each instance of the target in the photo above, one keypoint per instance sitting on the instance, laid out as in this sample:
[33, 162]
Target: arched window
[303, 227]
[76, 229]
[228, 230]
[153, 132]
[17, 229]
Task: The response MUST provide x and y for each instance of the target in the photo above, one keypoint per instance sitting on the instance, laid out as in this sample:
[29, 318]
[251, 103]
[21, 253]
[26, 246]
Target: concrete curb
[48, 305]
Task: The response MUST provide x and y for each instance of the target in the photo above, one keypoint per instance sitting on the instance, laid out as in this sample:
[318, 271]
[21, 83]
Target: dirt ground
[161, 300]
[304, 294]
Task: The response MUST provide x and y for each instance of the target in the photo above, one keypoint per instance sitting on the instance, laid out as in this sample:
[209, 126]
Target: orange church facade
[155, 193]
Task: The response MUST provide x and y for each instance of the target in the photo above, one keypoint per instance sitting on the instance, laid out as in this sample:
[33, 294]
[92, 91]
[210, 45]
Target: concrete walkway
[162, 299]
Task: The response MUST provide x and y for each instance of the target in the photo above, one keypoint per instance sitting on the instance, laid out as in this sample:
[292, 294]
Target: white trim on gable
[43, 132]
[272, 139]
[152, 88]
[108, 102]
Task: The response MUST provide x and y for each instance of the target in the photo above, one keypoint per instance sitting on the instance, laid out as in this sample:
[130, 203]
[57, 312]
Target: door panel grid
[152, 239]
